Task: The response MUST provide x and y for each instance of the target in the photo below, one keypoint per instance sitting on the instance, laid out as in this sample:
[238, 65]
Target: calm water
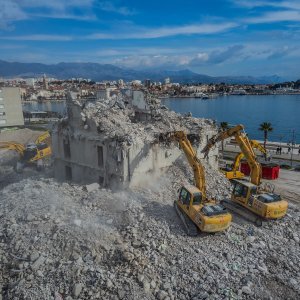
[59, 106]
[282, 111]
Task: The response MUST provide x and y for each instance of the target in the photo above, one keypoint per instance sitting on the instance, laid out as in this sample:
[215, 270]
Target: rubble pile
[65, 241]
[119, 122]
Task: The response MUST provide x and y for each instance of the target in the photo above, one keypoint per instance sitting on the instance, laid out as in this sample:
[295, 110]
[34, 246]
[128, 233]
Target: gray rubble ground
[62, 241]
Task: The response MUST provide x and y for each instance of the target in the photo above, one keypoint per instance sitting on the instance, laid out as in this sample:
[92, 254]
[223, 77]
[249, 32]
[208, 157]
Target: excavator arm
[20, 148]
[190, 153]
[42, 138]
[223, 135]
[258, 146]
[193, 160]
[246, 148]
[240, 156]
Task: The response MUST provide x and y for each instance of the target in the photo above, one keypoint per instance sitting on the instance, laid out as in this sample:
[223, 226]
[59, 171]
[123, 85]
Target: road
[288, 185]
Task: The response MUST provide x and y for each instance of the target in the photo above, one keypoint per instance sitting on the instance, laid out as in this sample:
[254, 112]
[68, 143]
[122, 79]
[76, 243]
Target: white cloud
[151, 33]
[278, 16]
[179, 61]
[214, 58]
[152, 61]
[294, 5]
[39, 37]
[202, 56]
[112, 7]
[15, 10]
[62, 15]
[9, 12]
[62, 6]
[54, 4]
[278, 11]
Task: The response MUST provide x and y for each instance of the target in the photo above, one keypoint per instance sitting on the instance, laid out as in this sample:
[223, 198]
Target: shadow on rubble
[9, 176]
[165, 213]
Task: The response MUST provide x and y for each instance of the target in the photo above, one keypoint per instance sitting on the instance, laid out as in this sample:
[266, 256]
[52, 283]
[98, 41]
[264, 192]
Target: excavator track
[243, 212]
[190, 228]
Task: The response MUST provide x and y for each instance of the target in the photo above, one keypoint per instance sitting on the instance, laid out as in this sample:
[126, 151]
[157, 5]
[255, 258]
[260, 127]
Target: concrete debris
[131, 245]
[92, 187]
[121, 123]
[117, 145]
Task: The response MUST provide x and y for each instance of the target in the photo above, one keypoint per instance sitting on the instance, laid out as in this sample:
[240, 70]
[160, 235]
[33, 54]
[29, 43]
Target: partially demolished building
[115, 142]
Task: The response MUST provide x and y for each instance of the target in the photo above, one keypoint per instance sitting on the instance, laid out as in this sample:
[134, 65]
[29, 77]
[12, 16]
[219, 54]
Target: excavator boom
[240, 156]
[20, 148]
[42, 138]
[245, 145]
[193, 160]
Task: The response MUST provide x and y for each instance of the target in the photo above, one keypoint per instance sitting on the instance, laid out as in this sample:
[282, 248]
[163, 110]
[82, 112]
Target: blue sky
[214, 37]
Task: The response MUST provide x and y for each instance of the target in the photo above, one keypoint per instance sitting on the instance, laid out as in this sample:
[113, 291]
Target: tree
[266, 127]
[224, 126]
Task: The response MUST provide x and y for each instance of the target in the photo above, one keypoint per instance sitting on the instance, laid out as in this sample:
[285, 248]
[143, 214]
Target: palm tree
[224, 126]
[266, 127]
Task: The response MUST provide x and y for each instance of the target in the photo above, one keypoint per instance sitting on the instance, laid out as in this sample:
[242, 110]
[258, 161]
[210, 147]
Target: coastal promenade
[231, 149]
[288, 183]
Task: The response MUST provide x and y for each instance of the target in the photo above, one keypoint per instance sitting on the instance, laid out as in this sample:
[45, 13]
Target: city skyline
[231, 37]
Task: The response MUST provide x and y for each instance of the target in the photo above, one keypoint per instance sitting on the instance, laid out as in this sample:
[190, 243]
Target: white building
[11, 113]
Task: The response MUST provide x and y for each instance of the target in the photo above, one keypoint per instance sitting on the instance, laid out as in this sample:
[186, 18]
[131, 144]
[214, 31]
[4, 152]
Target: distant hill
[100, 72]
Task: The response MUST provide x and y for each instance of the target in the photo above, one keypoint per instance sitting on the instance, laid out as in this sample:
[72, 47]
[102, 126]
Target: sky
[213, 37]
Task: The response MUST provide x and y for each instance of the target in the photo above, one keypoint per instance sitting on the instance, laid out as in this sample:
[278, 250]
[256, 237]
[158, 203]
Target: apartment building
[11, 113]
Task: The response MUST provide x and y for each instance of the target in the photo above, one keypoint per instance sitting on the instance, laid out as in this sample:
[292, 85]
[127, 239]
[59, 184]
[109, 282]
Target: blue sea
[282, 111]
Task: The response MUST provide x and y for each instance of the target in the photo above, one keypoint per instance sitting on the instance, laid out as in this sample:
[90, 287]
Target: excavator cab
[263, 203]
[242, 190]
[30, 152]
[35, 152]
[207, 217]
[190, 198]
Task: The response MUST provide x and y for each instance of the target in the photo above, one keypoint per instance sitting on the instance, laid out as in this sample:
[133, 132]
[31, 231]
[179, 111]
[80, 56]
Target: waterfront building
[167, 80]
[147, 83]
[45, 82]
[11, 113]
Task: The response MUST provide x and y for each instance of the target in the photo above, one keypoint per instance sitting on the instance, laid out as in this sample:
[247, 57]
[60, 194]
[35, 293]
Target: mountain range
[99, 72]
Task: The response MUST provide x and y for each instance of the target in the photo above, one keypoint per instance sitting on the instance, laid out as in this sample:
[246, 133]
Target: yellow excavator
[233, 171]
[260, 201]
[196, 211]
[32, 152]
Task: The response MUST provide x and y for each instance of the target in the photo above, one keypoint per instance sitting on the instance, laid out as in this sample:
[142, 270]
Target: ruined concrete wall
[156, 157]
[76, 143]
[84, 158]
[121, 166]
[76, 154]
[149, 160]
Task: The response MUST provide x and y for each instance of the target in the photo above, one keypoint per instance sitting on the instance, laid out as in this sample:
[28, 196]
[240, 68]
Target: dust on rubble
[59, 241]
